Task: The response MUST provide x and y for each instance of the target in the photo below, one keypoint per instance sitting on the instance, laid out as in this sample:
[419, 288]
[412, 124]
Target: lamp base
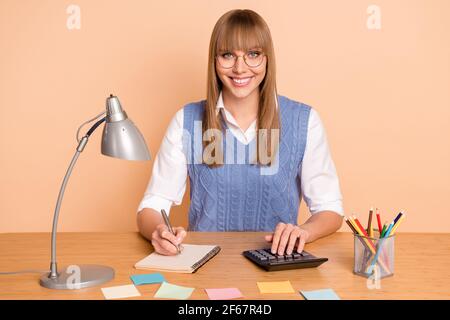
[78, 277]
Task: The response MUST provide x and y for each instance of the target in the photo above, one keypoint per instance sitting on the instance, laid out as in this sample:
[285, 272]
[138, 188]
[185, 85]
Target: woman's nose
[239, 65]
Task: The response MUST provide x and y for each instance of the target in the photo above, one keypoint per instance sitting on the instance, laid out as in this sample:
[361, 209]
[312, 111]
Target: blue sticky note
[149, 278]
[324, 294]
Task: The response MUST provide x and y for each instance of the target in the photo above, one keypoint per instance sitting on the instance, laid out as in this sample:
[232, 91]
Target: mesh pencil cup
[374, 256]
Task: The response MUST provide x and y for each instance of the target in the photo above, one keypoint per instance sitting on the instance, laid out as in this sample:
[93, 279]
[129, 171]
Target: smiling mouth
[241, 81]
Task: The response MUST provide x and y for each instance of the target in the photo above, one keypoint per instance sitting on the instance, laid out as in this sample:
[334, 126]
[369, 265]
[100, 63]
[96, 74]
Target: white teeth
[241, 81]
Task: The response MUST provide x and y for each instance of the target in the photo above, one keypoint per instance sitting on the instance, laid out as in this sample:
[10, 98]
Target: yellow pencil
[361, 233]
[397, 224]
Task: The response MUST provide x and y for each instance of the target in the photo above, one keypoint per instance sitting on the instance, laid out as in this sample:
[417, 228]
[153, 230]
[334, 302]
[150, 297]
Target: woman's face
[241, 80]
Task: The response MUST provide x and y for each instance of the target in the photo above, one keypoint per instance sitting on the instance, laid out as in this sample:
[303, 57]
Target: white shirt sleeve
[319, 180]
[168, 181]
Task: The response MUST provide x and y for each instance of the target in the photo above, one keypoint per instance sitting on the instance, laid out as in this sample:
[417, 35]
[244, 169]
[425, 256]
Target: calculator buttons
[272, 262]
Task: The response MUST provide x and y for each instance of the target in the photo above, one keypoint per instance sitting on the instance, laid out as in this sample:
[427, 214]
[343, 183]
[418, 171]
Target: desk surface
[421, 266]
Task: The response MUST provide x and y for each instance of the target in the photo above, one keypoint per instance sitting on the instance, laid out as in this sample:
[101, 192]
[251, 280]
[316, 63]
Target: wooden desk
[421, 266]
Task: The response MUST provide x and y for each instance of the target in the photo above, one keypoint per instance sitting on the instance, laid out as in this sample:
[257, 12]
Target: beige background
[383, 96]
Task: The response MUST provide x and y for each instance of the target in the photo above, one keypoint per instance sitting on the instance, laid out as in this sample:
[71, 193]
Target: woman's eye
[253, 54]
[227, 55]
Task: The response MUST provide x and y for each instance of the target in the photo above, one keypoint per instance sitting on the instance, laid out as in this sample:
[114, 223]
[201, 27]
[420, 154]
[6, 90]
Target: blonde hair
[243, 30]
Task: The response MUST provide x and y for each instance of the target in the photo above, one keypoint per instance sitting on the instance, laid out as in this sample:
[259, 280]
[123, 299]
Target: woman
[259, 154]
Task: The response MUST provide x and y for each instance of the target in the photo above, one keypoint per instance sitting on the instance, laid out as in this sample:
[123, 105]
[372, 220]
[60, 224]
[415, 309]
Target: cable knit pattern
[237, 197]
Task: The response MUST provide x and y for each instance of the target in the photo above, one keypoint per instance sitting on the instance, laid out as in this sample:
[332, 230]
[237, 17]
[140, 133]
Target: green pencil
[384, 230]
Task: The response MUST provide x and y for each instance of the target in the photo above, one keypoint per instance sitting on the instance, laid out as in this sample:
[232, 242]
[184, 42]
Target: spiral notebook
[189, 260]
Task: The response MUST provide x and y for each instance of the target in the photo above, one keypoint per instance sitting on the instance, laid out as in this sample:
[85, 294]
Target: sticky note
[223, 293]
[171, 291]
[275, 287]
[148, 278]
[120, 292]
[324, 294]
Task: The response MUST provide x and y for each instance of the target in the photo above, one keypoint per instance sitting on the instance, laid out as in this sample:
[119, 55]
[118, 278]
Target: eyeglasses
[252, 59]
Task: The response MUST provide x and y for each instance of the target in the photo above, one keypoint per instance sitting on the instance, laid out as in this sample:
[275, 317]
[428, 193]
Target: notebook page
[190, 255]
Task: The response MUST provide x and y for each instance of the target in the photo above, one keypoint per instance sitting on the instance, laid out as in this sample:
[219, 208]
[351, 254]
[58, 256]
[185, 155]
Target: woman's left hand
[286, 237]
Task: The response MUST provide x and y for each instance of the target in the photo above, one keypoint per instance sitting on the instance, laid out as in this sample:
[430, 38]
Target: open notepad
[189, 260]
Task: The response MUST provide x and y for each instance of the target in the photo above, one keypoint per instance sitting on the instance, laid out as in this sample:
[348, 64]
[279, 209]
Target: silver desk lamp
[120, 139]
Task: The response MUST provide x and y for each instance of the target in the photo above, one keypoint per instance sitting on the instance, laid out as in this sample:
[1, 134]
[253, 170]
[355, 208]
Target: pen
[169, 226]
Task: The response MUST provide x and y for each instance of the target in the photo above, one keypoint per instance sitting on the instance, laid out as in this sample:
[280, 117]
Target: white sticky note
[119, 292]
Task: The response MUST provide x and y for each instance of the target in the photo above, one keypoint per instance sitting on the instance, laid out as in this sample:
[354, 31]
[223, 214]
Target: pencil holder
[374, 257]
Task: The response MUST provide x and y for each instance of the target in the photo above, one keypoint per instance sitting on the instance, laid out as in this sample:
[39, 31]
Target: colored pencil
[398, 216]
[379, 221]
[388, 231]
[383, 230]
[362, 233]
[350, 225]
[367, 250]
[363, 237]
[387, 234]
[354, 228]
[397, 224]
[369, 242]
[360, 227]
[369, 223]
[369, 270]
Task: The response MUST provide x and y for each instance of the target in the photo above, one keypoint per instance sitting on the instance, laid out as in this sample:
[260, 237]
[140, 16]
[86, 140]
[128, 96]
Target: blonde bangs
[241, 33]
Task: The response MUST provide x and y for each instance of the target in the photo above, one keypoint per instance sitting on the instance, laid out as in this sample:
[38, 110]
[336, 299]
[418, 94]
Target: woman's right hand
[165, 242]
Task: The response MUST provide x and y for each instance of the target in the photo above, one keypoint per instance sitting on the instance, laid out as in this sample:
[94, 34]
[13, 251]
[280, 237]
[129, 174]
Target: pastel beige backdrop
[383, 96]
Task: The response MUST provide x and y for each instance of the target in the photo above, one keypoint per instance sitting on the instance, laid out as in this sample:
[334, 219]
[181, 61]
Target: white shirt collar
[228, 117]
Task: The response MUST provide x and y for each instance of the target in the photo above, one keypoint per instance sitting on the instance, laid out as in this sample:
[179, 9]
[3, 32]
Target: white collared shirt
[319, 180]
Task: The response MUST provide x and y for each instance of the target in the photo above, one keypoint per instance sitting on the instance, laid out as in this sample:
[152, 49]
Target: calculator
[274, 262]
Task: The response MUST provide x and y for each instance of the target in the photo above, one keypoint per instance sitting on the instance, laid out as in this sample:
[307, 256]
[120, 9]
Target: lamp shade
[121, 138]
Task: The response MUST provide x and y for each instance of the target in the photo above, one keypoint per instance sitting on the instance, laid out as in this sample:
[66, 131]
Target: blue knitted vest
[240, 195]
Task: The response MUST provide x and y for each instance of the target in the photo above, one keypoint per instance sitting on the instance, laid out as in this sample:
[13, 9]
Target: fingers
[159, 249]
[302, 242]
[164, 233]
[286, 237]
[180, 234]
[164, 242]
[268, 237]
[293, 237]
[276, 237]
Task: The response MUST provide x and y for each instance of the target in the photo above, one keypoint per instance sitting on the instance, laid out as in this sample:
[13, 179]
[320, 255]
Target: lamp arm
[53, 265]
[89, 121]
